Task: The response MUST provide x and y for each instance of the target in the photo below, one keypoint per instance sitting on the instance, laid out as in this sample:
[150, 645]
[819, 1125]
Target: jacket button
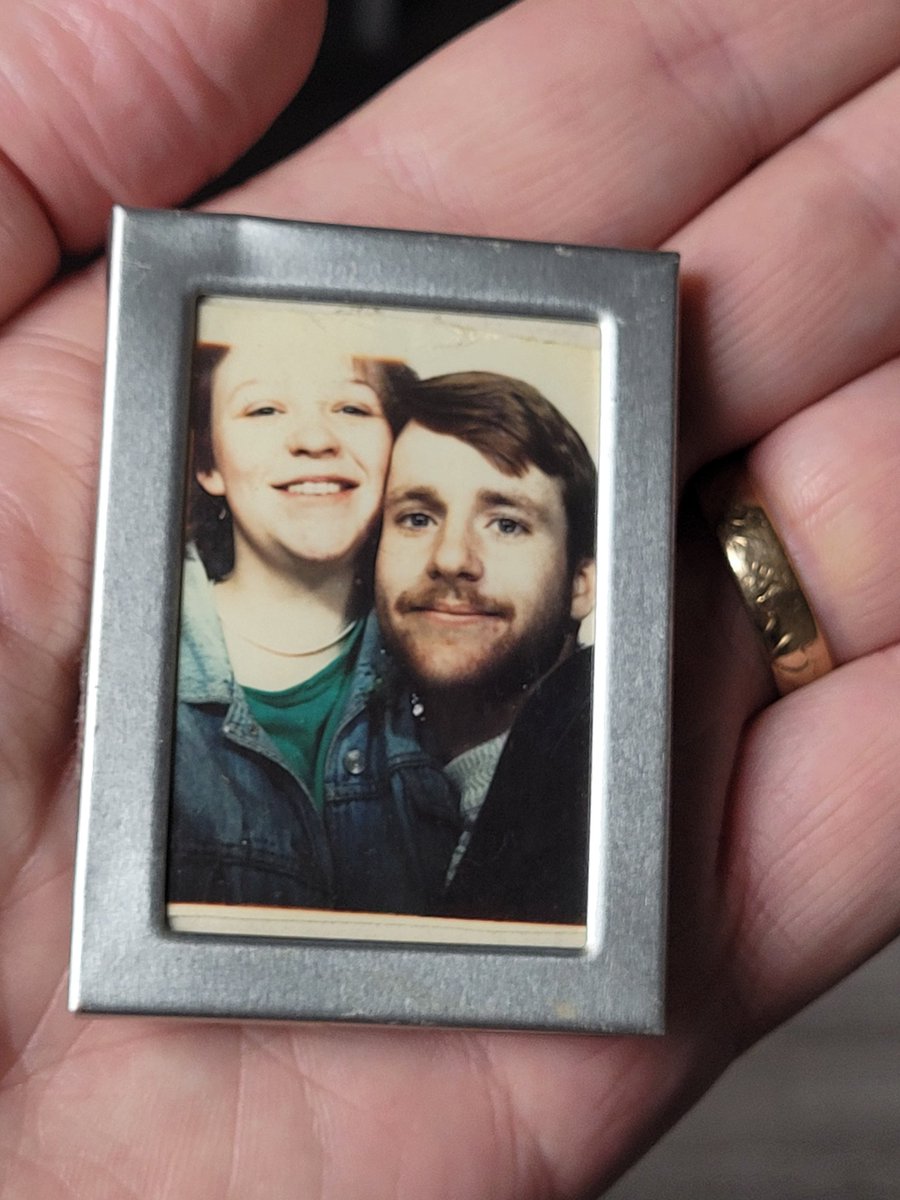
[353, 761]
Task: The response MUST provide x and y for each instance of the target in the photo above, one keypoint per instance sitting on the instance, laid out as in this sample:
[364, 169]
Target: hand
[762, 144]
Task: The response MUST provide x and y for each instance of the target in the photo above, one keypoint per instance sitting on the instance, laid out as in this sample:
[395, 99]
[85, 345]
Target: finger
[586, 122]
[829, 479]
[49, 422]
[129, 103]
[814, 805]
[797, 277]
[811, 869]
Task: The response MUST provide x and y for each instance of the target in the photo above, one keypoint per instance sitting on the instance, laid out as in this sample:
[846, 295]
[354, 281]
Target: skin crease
[776, 175]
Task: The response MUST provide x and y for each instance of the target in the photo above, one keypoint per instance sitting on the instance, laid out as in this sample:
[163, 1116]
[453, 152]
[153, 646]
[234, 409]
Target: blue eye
[508, 527]
[415, 520]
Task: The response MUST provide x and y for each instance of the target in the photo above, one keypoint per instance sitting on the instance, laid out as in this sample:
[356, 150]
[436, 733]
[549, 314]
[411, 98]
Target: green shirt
[303, 720]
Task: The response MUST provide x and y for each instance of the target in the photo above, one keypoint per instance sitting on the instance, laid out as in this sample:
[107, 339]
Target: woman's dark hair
[209, 524]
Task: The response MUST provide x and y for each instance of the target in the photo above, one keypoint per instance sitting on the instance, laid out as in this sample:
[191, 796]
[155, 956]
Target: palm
[637, 127]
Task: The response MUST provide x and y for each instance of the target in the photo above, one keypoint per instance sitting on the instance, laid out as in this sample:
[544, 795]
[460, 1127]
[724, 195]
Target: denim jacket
[243, 827]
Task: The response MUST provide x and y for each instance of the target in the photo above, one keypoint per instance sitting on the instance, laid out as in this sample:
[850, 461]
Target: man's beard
[506, 667]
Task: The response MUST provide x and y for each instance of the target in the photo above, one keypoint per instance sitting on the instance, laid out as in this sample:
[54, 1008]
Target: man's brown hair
[513, 426]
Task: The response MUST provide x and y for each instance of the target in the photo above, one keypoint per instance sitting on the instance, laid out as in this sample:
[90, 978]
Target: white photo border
[125, 958]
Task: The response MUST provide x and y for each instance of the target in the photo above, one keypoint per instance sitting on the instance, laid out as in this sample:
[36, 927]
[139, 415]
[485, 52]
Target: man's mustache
[450, 600]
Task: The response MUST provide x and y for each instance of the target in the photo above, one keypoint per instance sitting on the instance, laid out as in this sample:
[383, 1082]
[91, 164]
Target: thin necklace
[345, 632]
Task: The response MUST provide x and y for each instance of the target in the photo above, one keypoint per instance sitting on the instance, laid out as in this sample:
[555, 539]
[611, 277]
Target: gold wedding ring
[772, 594]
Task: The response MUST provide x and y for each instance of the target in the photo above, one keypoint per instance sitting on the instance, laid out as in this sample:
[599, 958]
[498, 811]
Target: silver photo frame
[138, 946]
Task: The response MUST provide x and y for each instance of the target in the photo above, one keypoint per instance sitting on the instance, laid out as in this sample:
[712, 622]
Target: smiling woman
[292, 432]
[299, 444]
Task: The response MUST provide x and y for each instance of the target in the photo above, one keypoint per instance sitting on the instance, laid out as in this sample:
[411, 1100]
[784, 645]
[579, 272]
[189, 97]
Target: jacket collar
[204, 669]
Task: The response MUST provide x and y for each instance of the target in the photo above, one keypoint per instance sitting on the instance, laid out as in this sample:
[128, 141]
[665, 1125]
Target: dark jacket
[528, 853]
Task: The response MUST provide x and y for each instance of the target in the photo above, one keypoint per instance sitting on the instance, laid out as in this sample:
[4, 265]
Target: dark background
[366, 44]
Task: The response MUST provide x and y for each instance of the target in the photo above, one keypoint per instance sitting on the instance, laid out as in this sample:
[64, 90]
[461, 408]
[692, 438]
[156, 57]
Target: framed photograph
[376, 711]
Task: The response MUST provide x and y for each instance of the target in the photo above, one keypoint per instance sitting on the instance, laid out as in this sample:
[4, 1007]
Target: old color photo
[385, 665]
